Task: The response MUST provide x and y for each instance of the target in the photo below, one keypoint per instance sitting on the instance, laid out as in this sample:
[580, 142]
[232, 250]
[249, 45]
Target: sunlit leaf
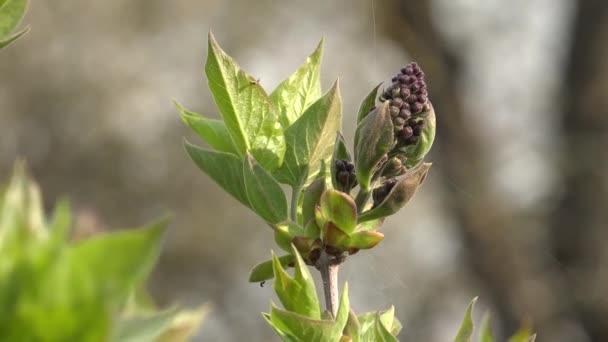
[300, 90]
[264, 192]
[310, 139]
[465, 332]
[264, 270]
[250, 118]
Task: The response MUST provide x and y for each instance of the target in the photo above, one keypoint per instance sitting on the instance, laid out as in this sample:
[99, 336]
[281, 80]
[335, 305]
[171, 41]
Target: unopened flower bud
[380, 193]
[417, 107]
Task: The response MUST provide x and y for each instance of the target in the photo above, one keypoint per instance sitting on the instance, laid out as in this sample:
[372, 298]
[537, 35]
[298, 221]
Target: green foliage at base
[55, 289]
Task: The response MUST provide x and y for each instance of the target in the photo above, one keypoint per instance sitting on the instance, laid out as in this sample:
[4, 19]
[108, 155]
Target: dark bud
[394, 79]
[417, 130]
[407, 133]
[412, 140]
[399, 121]
[422, 98]
[411, 99]
[350, 167]
[417, 107]
[407, 71]
[394, 111]
[340, 165]
[401, 78]
[397, 102]
[405, 114]
[410, 80]
[405, 91]
[380, 193]
[420, 75]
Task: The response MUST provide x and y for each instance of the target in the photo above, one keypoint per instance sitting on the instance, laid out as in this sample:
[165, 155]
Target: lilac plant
[340, 197]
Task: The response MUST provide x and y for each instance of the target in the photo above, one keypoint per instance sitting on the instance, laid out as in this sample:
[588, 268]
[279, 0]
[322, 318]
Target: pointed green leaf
[466, 328]
[185, 324]
[382, 332]
[297, 294]
[249, 116]
[143, 328]
[312, 197]
[368, 104]
[353, 328]
[340, 209]
[11, 13]
[310, 139]
[373, 139]
[399, 195]
[224, 168]
[523, 335]
[264, 193]
[213, 132]
[263, 271]
[132, 255]
[300, 90]
[60, 225]
[371, 225]
[485, 333]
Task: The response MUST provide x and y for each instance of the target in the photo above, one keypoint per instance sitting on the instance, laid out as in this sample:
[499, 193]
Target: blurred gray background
[514, 210]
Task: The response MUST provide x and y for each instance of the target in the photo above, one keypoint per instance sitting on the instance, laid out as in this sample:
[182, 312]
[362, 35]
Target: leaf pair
[11, 13]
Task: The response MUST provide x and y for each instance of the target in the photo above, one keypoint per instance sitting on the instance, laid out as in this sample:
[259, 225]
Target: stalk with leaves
[340, 197]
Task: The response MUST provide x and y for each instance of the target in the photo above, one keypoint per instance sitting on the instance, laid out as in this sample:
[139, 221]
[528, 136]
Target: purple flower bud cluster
[409, 101]
[379, 194]
[345, 175]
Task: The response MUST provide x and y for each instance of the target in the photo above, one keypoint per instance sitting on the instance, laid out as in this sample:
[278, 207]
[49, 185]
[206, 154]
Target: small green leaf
[365, 239]
[312, 198]
[213, 132]
[263, 271]
[466, 328]
[373, 139]
[300, 90]
[143, 328]
[285, 232]
[485, 333]
[340, 209]
[224, 168]
[310, 139]
[353, 328]
[368, 104]
[249, 116]
[417, 152]
[297, 294]
[6, 41]
[119, 261]
[11, 13]
[399, 195]
[523, 335]
[371, 225]
[185, 324]
[264, 193]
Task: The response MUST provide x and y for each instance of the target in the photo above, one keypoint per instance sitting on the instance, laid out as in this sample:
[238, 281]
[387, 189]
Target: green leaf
[310, 139]
[6, 41]
[340, 209]
[417, 152]
[297, 294]
[485, 333]
[376, 326]
[264, 193]
[300, 90]
[11, 13]
[523, 335]
[143, 328]
[133, 254]
[312, 197]
[373, 139]
[285, 232]
[365, 239]
[368, 104]
[249, 116]
[213, 132]
[399, 195]
[185, 324]
[264, 270]
[224, 168]
[353, 328]
[466, 328]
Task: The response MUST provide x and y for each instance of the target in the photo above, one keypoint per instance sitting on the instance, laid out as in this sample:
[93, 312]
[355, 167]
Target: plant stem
[328, 266]
[361, 199]
[295, 199]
